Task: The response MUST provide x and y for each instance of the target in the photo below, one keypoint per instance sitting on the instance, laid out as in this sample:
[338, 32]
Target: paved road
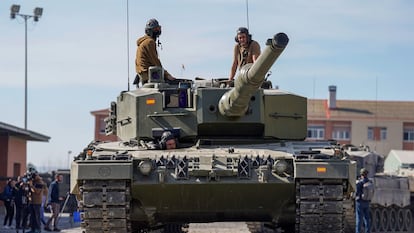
[67, 225]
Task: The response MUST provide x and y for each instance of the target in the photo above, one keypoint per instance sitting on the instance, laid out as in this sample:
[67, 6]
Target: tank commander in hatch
[147, 54]
[245, 51]
[166, 142]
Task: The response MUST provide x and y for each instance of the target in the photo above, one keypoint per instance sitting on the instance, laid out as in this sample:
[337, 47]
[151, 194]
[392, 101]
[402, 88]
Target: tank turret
[234, 103]
[205, 108]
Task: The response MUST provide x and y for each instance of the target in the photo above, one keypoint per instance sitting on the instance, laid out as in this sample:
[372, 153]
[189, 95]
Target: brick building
[100, 135]
[13, 150]
[382, 125]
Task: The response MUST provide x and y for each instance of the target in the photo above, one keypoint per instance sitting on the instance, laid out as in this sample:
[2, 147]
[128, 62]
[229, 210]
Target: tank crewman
[362, 206]
[147, 54]
[168, 141]
[245, 51]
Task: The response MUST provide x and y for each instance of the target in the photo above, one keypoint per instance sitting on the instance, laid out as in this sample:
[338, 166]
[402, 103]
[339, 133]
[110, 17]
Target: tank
[392, 203]
[241, 156]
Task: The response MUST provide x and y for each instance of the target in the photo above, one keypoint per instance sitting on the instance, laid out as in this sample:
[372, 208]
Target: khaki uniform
[146, 56]
[245, 55]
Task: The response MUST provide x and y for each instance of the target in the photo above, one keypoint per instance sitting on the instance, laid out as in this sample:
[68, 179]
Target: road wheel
[393, 219]
[385, 220]
[400, 219]
[376, 220]
[408, 220]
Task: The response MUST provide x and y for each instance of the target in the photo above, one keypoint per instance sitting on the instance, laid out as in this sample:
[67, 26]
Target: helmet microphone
[153, 28]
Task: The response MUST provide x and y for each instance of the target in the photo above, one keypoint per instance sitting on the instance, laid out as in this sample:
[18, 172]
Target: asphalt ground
[66, 223]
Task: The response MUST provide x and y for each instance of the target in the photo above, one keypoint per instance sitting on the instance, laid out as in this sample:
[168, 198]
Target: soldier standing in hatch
[362, 206]
[147, 53]
[168, 141]
[245, 51]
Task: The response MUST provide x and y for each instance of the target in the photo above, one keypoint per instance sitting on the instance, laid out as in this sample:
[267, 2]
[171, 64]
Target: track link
[105, 206]
[320, 206]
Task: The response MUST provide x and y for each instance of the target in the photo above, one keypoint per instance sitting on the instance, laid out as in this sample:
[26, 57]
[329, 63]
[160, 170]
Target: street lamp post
[69, 161]
[14, 10]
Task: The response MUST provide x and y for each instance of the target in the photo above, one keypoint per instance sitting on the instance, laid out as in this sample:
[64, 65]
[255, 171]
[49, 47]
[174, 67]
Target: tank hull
[217, 202]
[212, 185]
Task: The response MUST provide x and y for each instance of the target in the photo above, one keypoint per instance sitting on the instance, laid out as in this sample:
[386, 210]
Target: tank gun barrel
[234, 103]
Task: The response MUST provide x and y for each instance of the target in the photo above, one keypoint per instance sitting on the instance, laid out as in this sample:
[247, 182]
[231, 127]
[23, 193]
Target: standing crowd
[25, 200]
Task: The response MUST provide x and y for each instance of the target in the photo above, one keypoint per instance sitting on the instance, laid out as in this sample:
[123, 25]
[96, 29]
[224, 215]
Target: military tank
[391, 206]
[241, 156]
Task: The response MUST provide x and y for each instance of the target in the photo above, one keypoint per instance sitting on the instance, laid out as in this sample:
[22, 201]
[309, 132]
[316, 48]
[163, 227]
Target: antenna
[127, 28]
[376, 110]
[247, 13]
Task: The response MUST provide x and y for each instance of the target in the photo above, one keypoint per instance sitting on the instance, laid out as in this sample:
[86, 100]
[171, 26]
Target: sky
[81, 55]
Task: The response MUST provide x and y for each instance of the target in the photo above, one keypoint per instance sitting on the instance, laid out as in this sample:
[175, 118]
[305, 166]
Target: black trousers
[35, 217]
[22, 213]
[9, 212]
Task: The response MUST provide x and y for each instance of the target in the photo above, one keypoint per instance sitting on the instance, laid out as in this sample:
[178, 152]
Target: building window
[383, 133]
[370, 133]
[377, 133]
[341, 134]
[102, 125]
[408, 135]
[16, 169]
[316, 132]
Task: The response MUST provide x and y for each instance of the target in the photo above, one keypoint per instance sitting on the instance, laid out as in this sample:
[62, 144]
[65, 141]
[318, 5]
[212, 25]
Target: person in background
[39, 188]
[245, 51]
[54, 201]
[147, 54]
[9, 203]
[22, 200]
[42, 208]
[362, 206]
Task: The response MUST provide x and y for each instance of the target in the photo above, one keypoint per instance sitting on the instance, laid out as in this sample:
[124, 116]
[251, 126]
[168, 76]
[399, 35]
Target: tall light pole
[37, 13]
[69, 161]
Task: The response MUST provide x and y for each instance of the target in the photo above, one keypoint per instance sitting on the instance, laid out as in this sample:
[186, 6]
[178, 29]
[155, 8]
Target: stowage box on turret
[240, 156]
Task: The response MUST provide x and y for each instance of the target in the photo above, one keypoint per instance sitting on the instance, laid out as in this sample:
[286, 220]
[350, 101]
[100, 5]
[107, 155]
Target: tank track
[260, 227]
[350, 221]
[105, 206]
[176, 228]
[321, 206]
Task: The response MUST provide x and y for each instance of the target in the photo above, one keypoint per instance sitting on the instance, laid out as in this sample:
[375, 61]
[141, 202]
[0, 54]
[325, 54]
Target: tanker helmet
[153, 28]
[166, 136]
[364, 172]
[243, 30]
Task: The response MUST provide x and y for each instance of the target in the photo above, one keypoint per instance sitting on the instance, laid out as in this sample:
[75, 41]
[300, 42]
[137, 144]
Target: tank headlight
[280, 166]
[145, 167]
